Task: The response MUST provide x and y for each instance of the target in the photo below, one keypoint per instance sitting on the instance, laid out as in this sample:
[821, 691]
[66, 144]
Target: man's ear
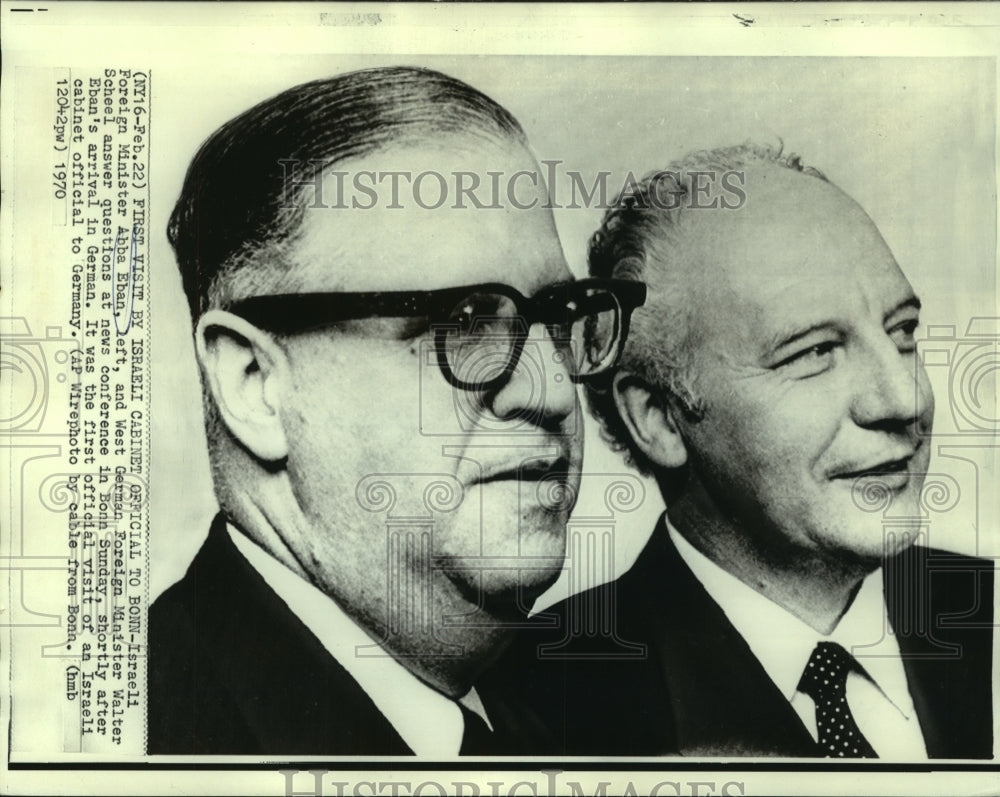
[650, 420]
[240, 364]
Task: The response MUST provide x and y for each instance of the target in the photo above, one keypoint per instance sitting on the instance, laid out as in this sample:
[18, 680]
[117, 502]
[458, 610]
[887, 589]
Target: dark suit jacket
[232, 670]
[650, 665]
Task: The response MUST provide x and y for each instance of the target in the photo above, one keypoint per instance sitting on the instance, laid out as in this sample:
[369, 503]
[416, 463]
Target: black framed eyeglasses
[479, 331]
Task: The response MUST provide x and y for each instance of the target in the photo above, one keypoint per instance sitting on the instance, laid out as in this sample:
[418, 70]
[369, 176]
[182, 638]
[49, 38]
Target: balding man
[772, 386]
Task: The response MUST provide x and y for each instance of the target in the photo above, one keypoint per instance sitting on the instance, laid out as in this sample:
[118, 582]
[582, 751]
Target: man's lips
[534, 470]
[895, 470]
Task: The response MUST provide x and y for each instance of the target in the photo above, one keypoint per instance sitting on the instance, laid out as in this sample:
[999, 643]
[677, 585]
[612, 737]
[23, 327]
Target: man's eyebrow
[790, 335]
[912, 302]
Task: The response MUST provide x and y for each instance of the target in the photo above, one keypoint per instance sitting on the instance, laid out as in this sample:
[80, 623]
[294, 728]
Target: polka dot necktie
[825, 681]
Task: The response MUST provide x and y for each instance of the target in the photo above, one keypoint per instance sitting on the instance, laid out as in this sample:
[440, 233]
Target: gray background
[912, 139]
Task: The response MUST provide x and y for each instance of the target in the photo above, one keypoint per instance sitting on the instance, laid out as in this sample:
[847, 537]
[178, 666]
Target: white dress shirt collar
[430, 723]
[783, 643]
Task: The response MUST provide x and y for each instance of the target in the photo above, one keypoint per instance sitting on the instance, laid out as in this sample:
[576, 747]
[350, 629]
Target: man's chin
[895, 542]
[510, 587]
[893, 528]
[866, 544]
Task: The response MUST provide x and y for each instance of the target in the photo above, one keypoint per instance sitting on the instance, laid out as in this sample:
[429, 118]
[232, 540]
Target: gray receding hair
[639, 239]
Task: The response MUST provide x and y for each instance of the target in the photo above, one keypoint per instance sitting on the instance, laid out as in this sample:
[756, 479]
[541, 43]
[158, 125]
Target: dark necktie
[477, 739]
[825, 681]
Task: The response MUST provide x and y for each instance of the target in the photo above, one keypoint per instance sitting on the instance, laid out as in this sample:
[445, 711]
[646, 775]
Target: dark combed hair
[233, 212]
[638, 239]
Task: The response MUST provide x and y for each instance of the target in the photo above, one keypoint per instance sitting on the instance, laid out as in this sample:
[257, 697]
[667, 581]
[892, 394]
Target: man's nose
[540, 390]
[892, 390]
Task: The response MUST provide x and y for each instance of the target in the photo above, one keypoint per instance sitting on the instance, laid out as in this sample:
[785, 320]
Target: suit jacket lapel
[292, 694]
[941, 609]
[722, 700]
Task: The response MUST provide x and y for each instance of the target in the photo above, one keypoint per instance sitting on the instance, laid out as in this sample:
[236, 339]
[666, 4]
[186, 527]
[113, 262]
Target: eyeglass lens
[485, 333]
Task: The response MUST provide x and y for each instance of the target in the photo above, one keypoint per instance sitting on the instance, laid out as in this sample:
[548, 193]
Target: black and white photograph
[493, 400]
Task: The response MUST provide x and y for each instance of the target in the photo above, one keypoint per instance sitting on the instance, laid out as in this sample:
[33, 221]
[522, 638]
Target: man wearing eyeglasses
[392, 423]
